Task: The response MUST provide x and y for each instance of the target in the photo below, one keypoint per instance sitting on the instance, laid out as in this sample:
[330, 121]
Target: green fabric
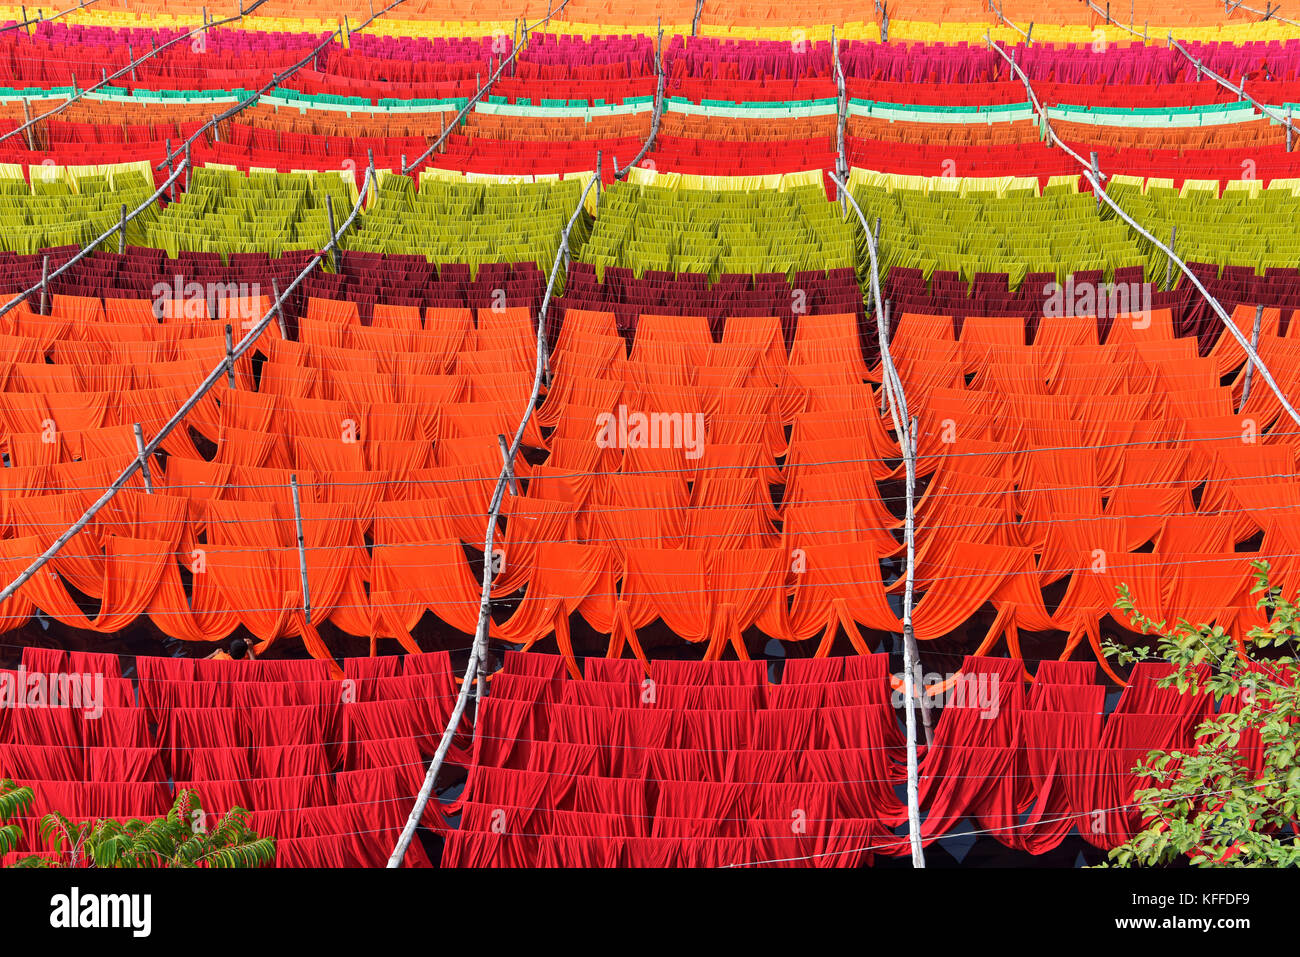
[472, 223]
[696, 230]
[224, 211]
[49, 213]
[1017, 234]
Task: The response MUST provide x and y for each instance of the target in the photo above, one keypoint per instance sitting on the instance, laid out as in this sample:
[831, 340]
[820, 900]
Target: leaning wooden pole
[179, 415]
[893, 386]
[474, 670]
[1096, 179]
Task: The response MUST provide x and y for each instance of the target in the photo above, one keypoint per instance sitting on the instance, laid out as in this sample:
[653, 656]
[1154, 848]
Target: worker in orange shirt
[239, 649]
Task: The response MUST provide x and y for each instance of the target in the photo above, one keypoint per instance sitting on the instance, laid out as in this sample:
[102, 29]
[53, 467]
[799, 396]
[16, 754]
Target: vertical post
[188, 167]
[167, 145]
[1289, 129]
[144, 459]
[45, 282]
[279, 312]
[1096, 178]
[216, 129]
[884, 384]
[121, 233]
[329, 208]
[1169, 263]
[480, 694]
[910, 662]
[27, 119]
[599, 184]
[508, 466]
[230, 357]
[1250, 365]
[302, 549]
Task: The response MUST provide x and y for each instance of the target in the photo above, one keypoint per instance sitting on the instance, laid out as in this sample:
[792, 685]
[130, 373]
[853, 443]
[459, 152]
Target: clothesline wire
[129, 67]
[516, 49]
[136, 678]
[162, 747]
[214, 376]
[976, 832]
[108, 527]
[928, 580]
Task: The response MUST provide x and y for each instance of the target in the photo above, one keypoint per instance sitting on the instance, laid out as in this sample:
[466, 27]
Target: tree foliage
[180, 839]
[1232, 800]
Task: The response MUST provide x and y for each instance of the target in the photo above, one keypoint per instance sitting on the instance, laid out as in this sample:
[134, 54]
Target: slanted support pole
[695, 24]
[1250, 366]
[474, 670]
[1215, 305]
[892, 387]
[910, 650]
[144, 459]
[302, 548]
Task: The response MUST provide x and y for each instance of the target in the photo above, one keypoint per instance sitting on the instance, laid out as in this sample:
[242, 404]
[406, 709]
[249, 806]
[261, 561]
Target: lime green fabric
[473, 223]
[1242, 227]
[224, 211]
[55, 211]
[1016, 233]
[645, 227]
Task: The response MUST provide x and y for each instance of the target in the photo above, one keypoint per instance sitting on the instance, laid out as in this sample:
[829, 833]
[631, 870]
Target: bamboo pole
[1214, 303]
[179, 416]
[143, 459]
[1250, 366]
[230, 357]
[474, 670]
[302, 548]
[897, 400]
